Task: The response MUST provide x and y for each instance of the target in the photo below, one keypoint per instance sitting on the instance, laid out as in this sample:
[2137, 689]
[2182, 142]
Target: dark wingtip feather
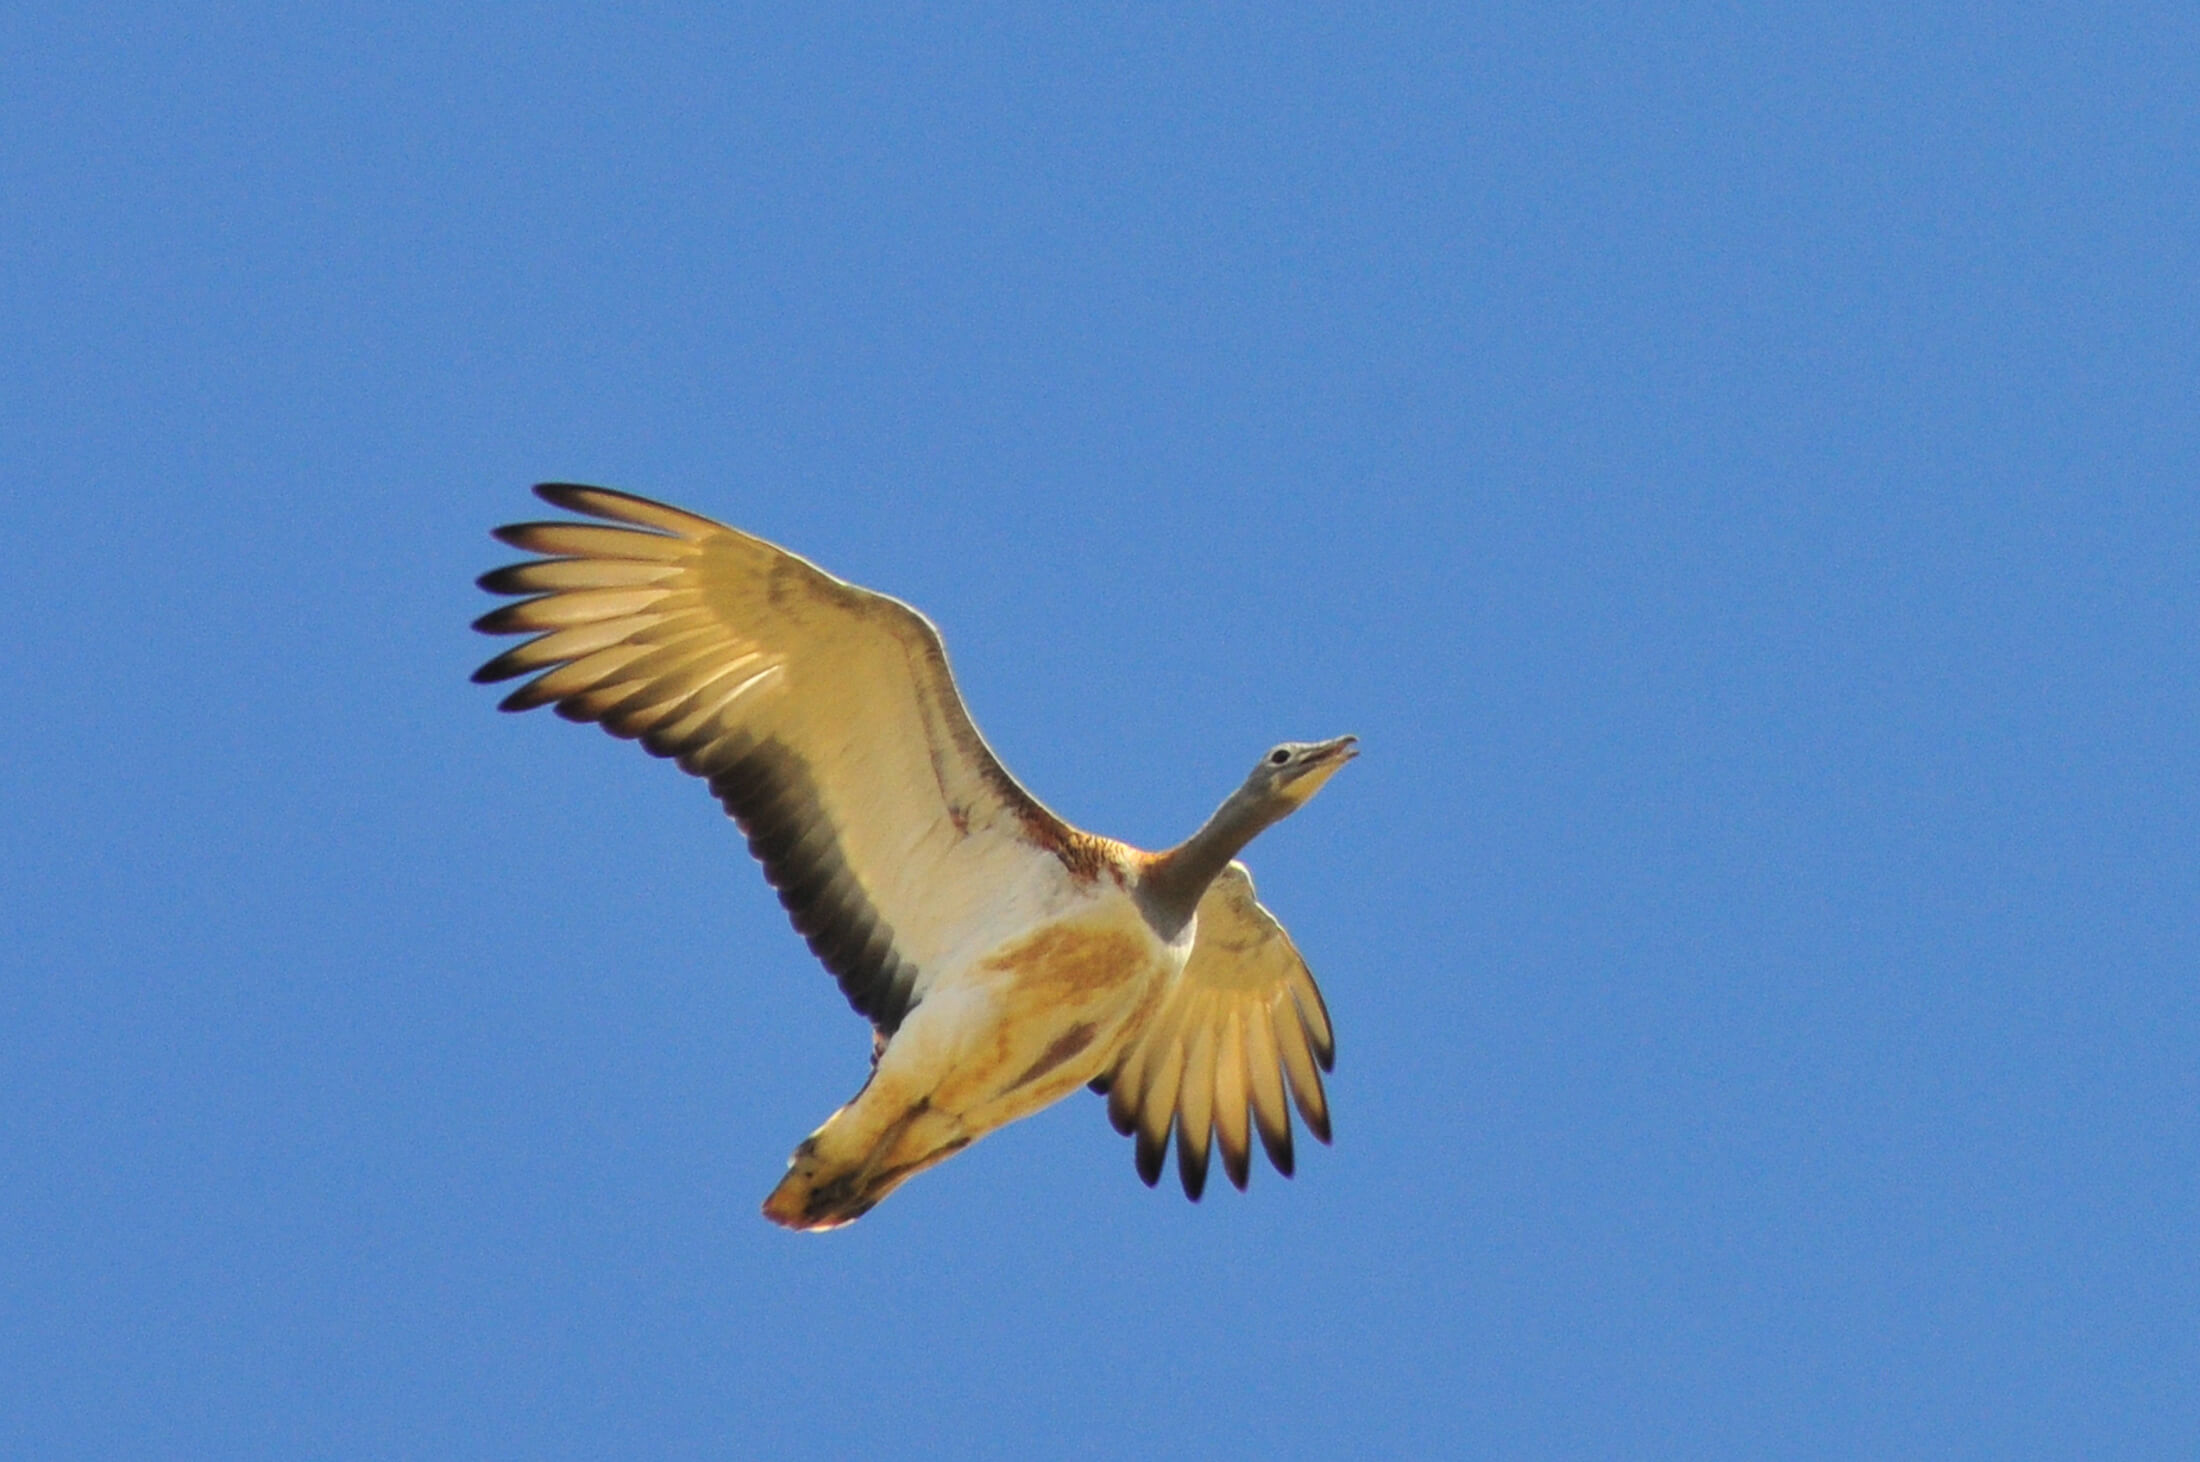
[514, 535]
[1149, 1158]
[591, 501]
[1120, 1103]
[1237, 1165]
[570, 495]
[526, 698]
[1321, 1032]
[502, 668]
[502, 581]
[1320, 1128]
[1191, 1170]
[630, 510]
[499, 621]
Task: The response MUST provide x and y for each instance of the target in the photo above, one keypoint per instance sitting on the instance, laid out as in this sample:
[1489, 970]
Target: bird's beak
[1323, 763]
[1320, 767]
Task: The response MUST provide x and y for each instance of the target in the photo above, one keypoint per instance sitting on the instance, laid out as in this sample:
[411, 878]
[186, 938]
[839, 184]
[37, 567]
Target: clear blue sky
[1734, 466]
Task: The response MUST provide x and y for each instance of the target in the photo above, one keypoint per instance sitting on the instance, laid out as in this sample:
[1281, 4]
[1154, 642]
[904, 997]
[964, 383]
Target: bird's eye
[1279, 756]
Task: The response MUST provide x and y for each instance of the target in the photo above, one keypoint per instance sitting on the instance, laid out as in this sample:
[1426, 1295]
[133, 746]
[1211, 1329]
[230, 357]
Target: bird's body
[1022, 1024]
[1003, 957]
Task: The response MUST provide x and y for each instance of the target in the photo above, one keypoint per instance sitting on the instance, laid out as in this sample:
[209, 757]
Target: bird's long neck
[1175, 881]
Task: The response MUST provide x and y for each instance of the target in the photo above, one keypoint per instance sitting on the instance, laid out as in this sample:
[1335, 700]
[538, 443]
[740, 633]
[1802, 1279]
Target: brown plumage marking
[1064, 963]
[1066, 1045]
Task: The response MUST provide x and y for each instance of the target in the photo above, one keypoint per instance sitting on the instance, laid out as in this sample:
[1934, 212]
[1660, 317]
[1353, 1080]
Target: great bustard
[1003, 957]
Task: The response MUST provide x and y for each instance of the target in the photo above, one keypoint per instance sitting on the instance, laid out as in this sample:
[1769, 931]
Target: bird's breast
[1043, 1012]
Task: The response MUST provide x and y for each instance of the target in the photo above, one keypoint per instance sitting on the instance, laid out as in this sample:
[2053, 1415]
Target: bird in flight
[1003, 957]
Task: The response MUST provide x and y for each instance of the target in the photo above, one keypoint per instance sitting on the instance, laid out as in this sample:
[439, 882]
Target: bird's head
[1287, 778]
[1281, 783]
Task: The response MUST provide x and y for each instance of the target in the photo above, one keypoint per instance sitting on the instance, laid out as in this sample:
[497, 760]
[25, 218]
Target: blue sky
[1734, 468]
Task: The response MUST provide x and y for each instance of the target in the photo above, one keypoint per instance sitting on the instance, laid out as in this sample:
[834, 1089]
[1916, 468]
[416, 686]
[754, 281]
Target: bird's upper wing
[822, 715]
[1240, 1024]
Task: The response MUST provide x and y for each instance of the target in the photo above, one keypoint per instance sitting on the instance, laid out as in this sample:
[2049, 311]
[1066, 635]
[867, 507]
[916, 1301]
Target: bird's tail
[842, 1170]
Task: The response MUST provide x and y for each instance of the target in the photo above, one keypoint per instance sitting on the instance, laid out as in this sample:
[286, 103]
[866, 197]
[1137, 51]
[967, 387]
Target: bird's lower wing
[1239, 1027]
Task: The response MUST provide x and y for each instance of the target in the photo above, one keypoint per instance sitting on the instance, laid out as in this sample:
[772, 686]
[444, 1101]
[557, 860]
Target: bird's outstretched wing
[1243, 1022]
[822, 715]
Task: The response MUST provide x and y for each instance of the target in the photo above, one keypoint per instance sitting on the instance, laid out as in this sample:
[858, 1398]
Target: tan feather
[562, 611]
[575, 676]
[1195, 1102]
[585, 540]
[1232, 1133]
[621, 507]
[1157, 1107]
[1271, 1112]
[544, 576]
[1298, 1064]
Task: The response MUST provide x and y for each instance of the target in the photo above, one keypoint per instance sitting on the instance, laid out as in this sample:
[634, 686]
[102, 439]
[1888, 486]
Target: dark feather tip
[526, 698]
[567, 495]
[501, 668]
[1149, 1158]
[501, 581]
[506, 619]
[1237, 1167]
[1191, 1170]
[515, 535]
